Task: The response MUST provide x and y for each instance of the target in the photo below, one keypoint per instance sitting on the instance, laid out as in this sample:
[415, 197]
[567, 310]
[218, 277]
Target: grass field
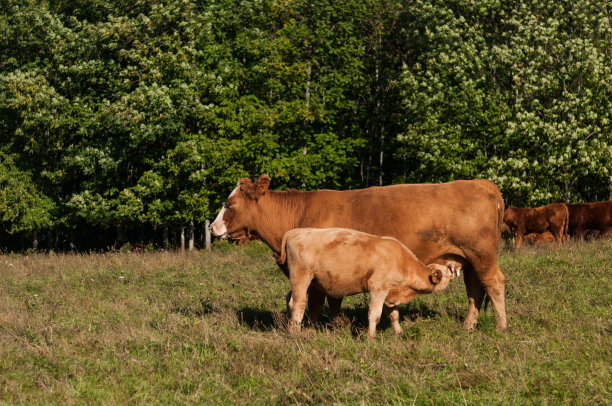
[209, 328]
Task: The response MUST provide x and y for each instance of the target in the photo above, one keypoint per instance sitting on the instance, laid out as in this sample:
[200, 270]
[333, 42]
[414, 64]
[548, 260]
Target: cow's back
[460, 218]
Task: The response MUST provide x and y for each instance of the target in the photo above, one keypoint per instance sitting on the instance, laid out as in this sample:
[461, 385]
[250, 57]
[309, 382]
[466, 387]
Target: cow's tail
[500, 213]
[282, 257]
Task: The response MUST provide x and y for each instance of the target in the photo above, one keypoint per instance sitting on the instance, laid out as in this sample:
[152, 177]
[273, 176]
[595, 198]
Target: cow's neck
[277, 213]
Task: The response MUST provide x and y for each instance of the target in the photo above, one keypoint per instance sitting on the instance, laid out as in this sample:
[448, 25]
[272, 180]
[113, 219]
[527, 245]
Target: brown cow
[342, 262]
[589, 216]
[449, 223]
[553, 218]
[595, 234]
[539, 238]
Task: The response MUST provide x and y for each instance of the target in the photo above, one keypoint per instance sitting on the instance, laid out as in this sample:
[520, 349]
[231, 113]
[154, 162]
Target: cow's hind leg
[334, 306]
[316, 300]
[494, 283]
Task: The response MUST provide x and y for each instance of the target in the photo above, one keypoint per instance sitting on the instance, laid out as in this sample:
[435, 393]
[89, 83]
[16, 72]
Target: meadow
[210, 328]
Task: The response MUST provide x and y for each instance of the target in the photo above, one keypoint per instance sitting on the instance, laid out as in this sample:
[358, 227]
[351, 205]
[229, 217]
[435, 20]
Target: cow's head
[510, 218]
[236, 217]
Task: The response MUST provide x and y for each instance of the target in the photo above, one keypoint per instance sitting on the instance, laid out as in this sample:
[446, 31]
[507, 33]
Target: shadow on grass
[196, 309]
[356, 317]
[257, 319]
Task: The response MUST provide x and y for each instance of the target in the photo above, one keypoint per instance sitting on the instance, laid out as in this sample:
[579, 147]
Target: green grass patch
[209, 328]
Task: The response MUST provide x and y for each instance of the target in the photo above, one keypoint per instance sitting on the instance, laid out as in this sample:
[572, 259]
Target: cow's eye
[228, 205]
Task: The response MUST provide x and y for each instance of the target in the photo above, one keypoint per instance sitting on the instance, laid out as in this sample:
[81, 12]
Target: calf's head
[236, 218]
[441, 275]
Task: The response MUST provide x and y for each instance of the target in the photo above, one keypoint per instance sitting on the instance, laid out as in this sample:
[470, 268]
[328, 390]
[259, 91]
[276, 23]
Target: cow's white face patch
[218, 227]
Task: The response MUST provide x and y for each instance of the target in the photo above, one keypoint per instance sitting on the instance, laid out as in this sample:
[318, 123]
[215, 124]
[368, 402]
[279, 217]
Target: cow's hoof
[294, 328]
[502, 328]
[470, 325]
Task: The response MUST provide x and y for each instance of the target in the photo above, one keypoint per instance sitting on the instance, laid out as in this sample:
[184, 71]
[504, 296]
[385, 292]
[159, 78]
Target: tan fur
[449, 223]
[553, 218]
[342, 262]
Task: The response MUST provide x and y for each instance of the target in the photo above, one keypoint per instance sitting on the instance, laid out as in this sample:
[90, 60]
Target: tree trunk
[35, 242]
[182, 228]
[382, 146]
[207, 234]
[165, 243]
[49, 240]
[191, 235]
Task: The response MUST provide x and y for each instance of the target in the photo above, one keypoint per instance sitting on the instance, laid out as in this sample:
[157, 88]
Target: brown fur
[552, 218]
[344, 262]
[594, 234]
[449, 223]
[539, 238]
[589, 216]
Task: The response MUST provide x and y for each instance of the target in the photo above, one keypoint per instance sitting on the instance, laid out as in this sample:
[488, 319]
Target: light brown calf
[342, 262]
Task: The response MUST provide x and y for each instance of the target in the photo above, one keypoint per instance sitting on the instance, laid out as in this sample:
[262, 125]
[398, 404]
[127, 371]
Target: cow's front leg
[519, 238]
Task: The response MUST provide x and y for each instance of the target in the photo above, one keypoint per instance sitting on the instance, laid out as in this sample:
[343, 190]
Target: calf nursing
[342, 262]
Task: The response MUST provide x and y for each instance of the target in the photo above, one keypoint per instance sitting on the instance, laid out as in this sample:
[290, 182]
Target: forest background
[133, 120]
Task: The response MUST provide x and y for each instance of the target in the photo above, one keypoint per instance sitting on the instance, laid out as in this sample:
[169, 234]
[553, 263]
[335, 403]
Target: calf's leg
[377, 300]
[393, 314]
[300, 280]
[289, 302]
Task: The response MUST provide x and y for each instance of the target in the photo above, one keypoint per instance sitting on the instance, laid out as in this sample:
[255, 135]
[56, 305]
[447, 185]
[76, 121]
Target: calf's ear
[436, 274]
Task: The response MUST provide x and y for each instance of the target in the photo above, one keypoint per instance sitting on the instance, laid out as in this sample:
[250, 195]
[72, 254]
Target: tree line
[132, 120]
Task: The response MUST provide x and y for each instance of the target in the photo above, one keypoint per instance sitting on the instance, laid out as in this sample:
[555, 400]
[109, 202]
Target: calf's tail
[282, 257]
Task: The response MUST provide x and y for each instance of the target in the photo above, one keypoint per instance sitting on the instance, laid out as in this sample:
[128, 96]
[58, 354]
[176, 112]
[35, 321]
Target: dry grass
[209, 328]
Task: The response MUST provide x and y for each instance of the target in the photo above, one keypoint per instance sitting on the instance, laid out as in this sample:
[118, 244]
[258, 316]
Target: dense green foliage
[209, 328]
[142, 115]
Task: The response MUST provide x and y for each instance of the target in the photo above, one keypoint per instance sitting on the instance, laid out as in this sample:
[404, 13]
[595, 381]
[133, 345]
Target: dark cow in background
[592, 217]
[453, 224]
[552, 218]
[594, 234]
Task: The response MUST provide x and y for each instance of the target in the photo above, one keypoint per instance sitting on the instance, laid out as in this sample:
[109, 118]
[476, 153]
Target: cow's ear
[244, 183]
[261, 186]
